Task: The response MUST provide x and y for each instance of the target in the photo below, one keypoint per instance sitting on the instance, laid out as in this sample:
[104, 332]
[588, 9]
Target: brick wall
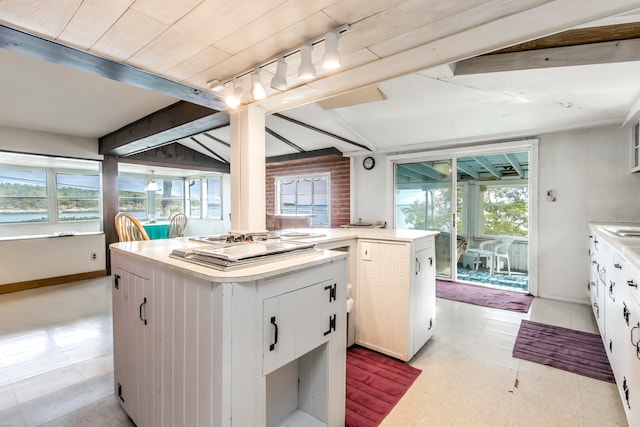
[338, 168]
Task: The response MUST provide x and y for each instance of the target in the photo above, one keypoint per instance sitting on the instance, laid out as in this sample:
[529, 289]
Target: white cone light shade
[279, 81]
[235, 98]
[151, 186]
[257, 90]
[306, 70]
[331, 59]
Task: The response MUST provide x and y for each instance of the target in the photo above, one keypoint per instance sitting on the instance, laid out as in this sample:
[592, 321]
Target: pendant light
[151, 186]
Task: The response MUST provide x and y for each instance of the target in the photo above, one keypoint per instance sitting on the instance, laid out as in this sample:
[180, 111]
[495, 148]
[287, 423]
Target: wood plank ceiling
[178, 47]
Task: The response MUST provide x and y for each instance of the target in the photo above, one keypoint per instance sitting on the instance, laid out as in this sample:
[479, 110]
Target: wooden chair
[129, 228]
[177, 224]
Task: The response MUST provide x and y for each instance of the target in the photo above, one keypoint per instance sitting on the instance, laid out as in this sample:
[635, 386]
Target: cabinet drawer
[296, 322]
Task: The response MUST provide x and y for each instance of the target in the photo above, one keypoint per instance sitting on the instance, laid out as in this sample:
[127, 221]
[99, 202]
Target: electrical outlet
[94, 256]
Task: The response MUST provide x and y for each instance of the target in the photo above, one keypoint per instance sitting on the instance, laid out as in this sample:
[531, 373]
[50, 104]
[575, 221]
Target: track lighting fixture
[306, 70]
[331, 59]
[279, 81]
[257, 90]
[234, 99]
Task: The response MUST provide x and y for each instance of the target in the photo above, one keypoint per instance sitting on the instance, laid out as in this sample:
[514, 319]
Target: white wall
[34, 142]
[590, 172]
[40, 258]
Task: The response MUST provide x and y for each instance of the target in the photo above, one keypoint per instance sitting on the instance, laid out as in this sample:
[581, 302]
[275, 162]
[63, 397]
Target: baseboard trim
[31, 284]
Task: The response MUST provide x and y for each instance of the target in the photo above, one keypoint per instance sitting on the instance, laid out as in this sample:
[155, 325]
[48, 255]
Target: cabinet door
[423, 298]
[383, 297]
[615, 327]
[296, 322]
[129, 353]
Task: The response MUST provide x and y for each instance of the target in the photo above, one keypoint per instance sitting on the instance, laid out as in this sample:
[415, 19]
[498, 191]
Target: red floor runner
[375, 383]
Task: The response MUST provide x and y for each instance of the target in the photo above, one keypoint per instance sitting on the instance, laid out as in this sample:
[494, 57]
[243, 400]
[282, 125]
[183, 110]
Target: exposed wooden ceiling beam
[209, 150]
[579, 36]
[283, 139]
[409, 172]
[51, 51]
[426, 170]
[513, 161]
[305, 155]
[324, 132]
[218, 140]
[473, 174]
[177, 121]
[485, 163]
[179, 156]
[595, 53]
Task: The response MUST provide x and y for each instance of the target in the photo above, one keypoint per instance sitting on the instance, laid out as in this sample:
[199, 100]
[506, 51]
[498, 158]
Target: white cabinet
[635, 148]
[191, 351]
[395, 295]
[615, 299]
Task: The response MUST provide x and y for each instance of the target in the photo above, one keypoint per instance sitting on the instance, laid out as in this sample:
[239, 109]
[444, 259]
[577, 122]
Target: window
[42, 190]
[132, 198]
[194, 194]
[78, 197]
[23, 196]
[304, 195]
[214, 198]
[506, 210]
[170, 198]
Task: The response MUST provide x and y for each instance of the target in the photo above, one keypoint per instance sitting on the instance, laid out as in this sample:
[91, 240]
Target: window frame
[322, 175]
[38, 163]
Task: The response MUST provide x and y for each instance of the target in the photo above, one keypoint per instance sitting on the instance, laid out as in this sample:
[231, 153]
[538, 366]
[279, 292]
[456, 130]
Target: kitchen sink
[624, 232]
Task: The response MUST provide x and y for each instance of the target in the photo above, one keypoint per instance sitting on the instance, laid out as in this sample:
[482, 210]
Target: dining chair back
[177, 224]
[129, 228]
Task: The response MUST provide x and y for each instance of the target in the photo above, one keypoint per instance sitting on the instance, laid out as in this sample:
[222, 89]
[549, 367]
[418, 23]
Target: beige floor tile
[468, 375]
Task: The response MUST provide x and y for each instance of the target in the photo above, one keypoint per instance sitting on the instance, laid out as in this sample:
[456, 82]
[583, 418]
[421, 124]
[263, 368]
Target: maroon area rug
[375, 383]
[479, 295]
[575, 351]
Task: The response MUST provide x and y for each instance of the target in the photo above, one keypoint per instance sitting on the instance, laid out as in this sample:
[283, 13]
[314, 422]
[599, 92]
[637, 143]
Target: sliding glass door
[424, 202]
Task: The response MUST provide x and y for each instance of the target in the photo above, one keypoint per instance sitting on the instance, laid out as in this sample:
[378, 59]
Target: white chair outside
[493, 251]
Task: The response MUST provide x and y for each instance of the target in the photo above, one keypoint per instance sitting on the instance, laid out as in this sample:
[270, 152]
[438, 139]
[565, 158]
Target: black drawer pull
[275, 334]
[144, 319]
[618, 266]
[632, 284]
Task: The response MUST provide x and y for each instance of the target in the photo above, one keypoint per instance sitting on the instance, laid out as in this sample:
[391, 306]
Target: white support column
[248, 197]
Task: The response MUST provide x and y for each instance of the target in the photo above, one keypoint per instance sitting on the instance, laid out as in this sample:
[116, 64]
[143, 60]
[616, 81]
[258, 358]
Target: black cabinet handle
[418, 266]
[144, 319]
[117, 281]
[332, 325]
[625, 313]
[632, 329]
[618, 266]
[611, 285]
[275, 334]
[332, 291]
[632, 284]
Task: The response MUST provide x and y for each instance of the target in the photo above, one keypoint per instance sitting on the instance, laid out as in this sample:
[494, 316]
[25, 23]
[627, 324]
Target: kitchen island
[261, 345]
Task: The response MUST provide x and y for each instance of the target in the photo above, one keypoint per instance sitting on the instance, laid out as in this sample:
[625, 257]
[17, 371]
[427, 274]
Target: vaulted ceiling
[414, 72]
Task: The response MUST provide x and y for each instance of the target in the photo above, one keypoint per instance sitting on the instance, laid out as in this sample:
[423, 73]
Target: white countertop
[628, 247]
[157, 251]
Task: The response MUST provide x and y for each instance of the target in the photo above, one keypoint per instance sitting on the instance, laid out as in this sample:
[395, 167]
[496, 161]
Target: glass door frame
[529, 145]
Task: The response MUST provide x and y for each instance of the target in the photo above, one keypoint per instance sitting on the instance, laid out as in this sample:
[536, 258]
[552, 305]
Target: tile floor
[56, 367]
